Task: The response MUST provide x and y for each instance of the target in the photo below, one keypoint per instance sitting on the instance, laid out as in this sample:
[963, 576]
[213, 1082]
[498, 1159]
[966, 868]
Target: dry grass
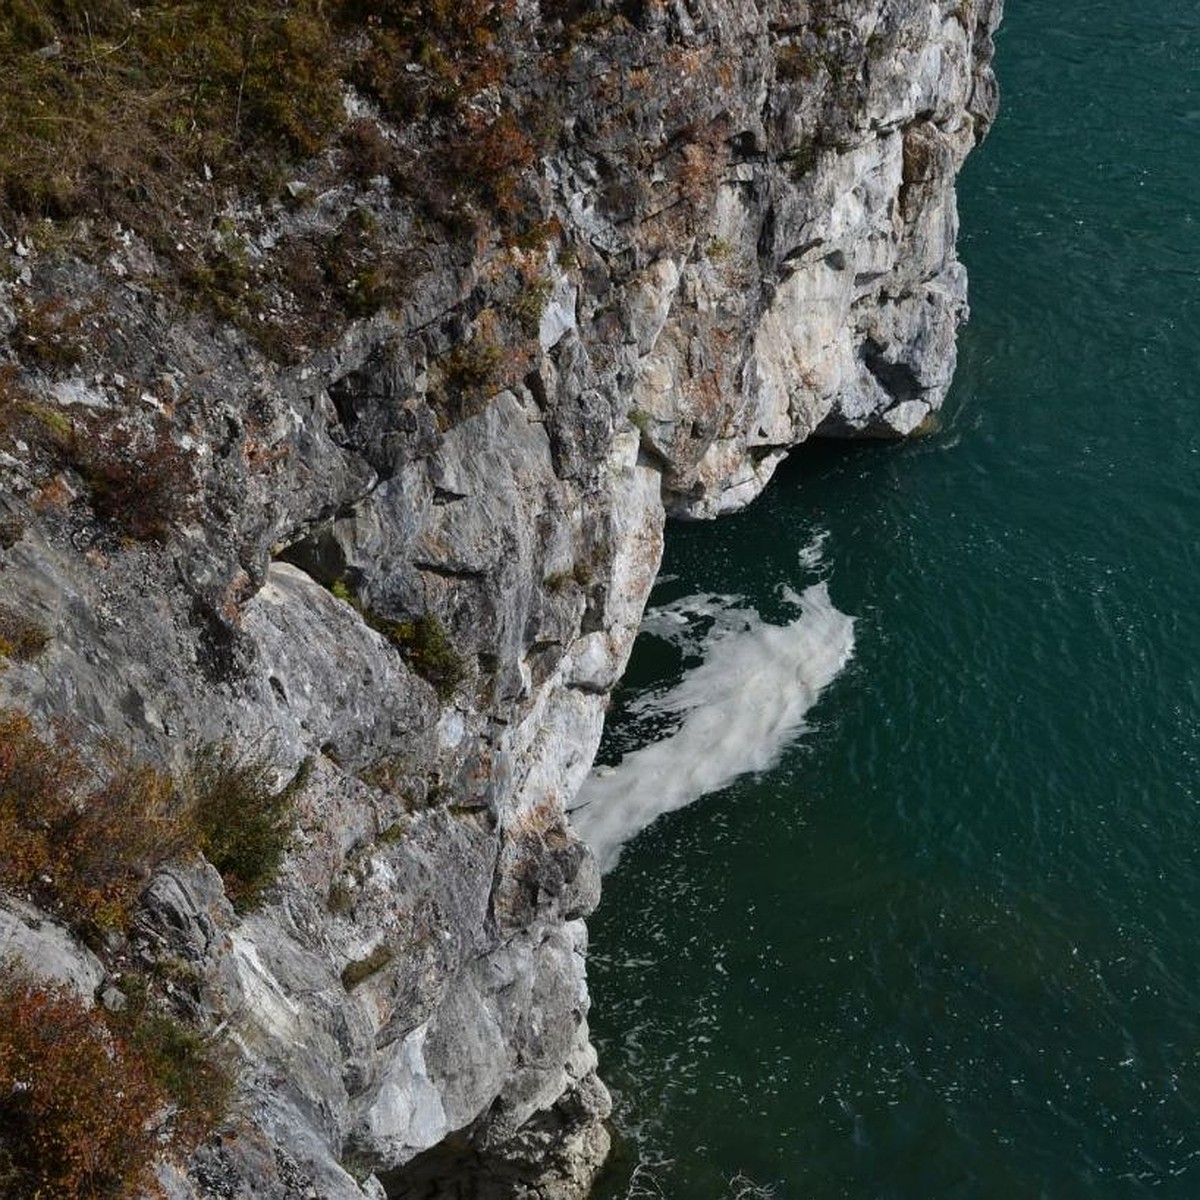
[131, 109]
[115, 105]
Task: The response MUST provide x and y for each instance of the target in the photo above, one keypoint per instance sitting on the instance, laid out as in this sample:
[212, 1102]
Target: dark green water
[950, 945]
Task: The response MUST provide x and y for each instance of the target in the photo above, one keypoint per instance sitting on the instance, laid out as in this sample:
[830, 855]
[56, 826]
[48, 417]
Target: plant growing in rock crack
[640, 420]
[362, 969]
[422, 641]
[467, 376]
[12, 530]
[139, 480]
[50, 332]
[530, 304]
[243, 822]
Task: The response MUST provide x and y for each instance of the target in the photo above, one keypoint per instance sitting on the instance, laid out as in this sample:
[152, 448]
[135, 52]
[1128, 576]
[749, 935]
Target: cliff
[365, 471]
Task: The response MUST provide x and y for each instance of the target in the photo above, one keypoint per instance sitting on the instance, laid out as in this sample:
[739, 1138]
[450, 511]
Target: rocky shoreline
[411, 554]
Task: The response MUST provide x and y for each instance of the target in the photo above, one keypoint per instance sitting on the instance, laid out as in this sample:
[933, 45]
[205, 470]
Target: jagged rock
[752, 242]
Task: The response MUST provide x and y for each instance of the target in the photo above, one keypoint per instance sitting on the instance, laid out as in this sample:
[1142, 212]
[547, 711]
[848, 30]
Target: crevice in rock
[896, 378]
[445, 571]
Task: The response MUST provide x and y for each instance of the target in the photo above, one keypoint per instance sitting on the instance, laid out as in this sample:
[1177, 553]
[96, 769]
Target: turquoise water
[950, 945]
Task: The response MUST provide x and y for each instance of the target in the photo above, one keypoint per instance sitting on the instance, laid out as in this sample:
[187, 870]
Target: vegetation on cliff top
[132, 109]
[164, 118]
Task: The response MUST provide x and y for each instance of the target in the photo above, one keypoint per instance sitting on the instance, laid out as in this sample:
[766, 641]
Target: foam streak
[739, 709]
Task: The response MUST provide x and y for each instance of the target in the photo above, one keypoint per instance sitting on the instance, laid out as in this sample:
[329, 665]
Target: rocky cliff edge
[378, 485]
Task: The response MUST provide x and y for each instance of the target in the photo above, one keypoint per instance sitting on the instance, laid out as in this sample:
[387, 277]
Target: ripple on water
[944, 946]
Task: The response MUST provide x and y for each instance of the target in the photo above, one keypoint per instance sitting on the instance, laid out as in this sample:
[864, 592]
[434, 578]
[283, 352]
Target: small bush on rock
[78, 1106]
[426, 645]
[82, 843]
[80, 846]
[20, 638]
[188, 1069]
[423, 642]
[140, 481]
[244, 825]
[362, 969]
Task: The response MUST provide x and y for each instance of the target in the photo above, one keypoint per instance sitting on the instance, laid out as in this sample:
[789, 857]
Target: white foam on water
[736, 711]
[812, 553]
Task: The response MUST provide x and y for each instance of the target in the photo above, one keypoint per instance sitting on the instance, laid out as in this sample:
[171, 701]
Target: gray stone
[761, 220]
[46, 950]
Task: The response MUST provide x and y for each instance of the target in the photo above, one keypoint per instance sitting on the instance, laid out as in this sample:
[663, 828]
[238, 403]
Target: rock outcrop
[415, 552]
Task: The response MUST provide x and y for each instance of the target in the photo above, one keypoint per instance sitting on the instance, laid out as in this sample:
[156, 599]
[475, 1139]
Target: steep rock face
[748, 240]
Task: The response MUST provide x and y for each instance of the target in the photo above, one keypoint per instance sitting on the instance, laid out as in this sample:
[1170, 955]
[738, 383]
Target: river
[922, 922]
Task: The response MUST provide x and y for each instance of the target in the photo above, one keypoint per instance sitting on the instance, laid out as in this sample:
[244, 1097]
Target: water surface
[947, 946]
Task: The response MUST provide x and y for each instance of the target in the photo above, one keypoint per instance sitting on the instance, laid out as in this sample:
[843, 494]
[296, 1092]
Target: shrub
[124, 107]
[12, 529]
[455, 44]
[529, 306]
[466, 376]
[183, 1065]
[79, 846]
[368, 153]
[83, 844]
[473, 368]
[796, 62]
[128, 827]
[138, 478]
[427, 648]
[20, 638]
[641, 420]
[84, 1094]
[23, 419]
[243, 825]
[491, 156]
[141, 482]
[78, 1105]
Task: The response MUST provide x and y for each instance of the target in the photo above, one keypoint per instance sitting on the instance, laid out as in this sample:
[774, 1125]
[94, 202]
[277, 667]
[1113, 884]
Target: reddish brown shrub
[81, 847]
[491, 157]
[78, 1107]
[20, 638]
[457, 44]
[140, 481]
[50, 333]
[368, 152]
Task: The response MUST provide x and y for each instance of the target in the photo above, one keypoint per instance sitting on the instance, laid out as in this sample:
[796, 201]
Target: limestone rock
[416, 556]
